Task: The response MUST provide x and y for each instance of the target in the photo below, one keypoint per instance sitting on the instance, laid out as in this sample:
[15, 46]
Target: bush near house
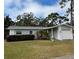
[20, 37]
[43, 34]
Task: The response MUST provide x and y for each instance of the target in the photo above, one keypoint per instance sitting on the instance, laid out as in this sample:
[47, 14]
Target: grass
[37, 49]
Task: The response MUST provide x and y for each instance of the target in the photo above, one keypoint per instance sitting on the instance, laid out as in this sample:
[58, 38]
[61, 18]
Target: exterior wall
[59, 33]
[55, 32]
[51, 34]
[64, 32]
[11, 32]
[23, 32]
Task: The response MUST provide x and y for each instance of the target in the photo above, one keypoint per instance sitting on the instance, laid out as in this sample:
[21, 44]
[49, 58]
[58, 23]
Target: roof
[26, 27]
[62, 25]
[39, 28]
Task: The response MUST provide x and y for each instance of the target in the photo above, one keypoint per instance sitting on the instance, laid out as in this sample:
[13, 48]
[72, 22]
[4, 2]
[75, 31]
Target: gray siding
[55, 33]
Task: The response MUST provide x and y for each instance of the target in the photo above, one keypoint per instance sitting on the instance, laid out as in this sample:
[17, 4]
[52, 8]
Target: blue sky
[47, 2]
[40, 8]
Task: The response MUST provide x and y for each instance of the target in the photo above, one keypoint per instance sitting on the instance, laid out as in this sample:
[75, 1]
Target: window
[18, 32]
[30, 32]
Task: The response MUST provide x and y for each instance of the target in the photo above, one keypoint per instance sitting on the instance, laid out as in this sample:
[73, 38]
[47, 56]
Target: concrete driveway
[65, 57]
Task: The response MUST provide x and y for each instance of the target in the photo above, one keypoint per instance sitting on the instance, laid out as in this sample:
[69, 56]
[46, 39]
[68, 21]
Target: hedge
[20, 37]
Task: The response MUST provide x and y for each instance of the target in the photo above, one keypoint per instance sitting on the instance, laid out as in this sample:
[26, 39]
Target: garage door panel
[66, 34]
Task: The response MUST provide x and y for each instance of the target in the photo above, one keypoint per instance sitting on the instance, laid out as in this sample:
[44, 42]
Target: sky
[40, 8]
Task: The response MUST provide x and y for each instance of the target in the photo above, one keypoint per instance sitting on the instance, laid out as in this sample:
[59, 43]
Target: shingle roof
[26, 27]
[32, 27]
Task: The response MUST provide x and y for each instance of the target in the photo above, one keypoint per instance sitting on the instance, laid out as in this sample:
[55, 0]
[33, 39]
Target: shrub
[43, 34]
[20, 37]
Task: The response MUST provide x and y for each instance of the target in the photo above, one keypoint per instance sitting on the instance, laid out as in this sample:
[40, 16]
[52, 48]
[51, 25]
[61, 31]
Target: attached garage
[64, 32]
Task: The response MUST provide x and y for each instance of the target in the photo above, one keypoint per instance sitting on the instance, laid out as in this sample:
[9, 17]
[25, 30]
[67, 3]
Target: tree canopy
[70, 9]
[8, 21]
[28, 19]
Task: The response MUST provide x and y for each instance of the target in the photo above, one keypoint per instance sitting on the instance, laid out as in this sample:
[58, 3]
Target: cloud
[16, 7]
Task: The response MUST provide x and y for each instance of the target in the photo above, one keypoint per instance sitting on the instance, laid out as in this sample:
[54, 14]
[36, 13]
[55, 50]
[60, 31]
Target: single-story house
[60, 32]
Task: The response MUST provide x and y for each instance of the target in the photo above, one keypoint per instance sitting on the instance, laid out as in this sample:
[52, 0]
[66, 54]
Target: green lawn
[37, 49]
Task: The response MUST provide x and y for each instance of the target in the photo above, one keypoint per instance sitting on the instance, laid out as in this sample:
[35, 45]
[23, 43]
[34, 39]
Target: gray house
[60, 32]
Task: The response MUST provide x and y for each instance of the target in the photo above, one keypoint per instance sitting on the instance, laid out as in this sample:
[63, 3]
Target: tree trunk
[72, 16]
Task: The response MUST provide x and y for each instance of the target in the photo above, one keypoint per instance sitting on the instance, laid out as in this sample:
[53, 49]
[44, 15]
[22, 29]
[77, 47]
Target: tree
[43, 34]
[53, 17]
[62, 19]
[56, 19]
[7, 22]
[26, 19]
[43, 22]
[69, 11]
[37, 21]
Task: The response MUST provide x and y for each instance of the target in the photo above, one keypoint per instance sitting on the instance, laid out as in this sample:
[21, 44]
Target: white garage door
[66, 34]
